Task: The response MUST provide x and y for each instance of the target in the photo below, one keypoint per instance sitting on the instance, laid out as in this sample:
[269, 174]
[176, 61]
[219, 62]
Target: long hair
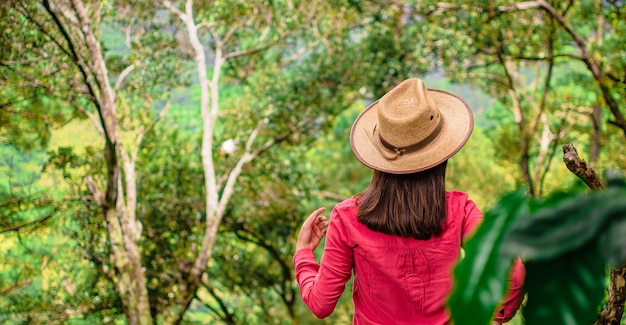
[409, 205]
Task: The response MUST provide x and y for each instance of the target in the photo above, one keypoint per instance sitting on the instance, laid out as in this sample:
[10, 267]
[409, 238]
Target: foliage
[309, 68]
[170, 208]
[548, 86]
[490, 178]
[565, 241]
[338, 173]
[28, 113]
[45, 276]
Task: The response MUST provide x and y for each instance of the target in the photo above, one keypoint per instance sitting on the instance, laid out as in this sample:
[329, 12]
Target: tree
[556, 82]
[270, 79]
[293, 100]
[251, 45]
[540, 79]
[44, 275]
[27, 113]
[69, 32]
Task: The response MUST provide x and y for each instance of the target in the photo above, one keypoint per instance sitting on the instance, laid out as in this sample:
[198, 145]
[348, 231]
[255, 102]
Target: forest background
[157, 158]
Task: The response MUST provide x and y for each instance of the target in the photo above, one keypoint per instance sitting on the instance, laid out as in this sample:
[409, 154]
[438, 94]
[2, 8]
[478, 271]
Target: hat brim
[457, 124]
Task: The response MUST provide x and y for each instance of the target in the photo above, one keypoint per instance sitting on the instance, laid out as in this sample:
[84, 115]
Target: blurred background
[157, 158]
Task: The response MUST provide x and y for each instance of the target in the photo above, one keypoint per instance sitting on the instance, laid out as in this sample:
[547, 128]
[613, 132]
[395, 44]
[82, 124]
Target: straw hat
[411, 128]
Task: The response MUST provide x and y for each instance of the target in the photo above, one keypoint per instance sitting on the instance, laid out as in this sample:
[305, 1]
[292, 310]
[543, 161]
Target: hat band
[399, 151]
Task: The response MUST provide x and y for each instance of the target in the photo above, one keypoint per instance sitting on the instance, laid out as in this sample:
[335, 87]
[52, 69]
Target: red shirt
[397, 280]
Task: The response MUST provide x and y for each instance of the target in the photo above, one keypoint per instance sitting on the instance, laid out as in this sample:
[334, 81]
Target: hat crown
[407, 114]
[411, 129]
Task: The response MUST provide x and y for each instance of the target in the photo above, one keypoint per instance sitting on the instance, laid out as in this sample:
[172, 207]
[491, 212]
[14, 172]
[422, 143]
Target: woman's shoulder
[346, 209]
[456, 195]
[458, 200]
[348, 205]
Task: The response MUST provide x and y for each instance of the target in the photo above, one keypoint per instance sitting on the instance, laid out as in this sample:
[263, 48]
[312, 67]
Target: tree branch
[247, 52]
[232, 30]
[24, 61]
[30, 223]
[612, 313]
[579, 167]
[175, 10]
[585, 56]
[226, 314]
[14, 286]
[123, 75]
[245, 158]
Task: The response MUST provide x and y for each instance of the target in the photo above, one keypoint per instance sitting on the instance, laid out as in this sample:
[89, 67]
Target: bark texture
[579, 167]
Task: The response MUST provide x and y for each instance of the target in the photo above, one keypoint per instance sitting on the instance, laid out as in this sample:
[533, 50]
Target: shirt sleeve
[515, 293]
[322, 285]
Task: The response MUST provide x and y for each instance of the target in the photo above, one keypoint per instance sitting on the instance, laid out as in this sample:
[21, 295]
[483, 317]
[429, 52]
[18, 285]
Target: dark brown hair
[408, 205]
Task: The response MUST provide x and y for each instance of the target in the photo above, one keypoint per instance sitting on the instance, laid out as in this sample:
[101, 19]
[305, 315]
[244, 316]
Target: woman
[403, 234]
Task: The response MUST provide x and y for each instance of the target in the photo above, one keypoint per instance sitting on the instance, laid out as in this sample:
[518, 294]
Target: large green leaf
[613, 243]
[565, 241]
[566, 245]
[565, 290]
[566, 224]
[481, 275]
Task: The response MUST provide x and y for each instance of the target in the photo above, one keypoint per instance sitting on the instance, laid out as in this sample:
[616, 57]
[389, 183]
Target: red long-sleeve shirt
[398, 280]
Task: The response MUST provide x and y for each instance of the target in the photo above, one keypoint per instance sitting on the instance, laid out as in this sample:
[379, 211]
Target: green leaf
[564, 226]
[481, 277]
[565, 290]
[613, 244]
[566, 245]
[615, 178]
[567, 224]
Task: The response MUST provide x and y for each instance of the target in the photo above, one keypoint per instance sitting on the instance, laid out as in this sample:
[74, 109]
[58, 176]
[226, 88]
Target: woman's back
[398, 280]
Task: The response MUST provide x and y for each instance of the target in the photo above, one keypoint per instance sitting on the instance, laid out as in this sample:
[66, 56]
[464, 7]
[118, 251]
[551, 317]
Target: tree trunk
[596, 135]
[612, 313]
[123, 229]
[524, 163]
[209, 107]
[217, 197]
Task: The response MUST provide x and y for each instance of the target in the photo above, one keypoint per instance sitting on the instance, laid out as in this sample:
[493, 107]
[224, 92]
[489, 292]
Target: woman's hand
[312, 231]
